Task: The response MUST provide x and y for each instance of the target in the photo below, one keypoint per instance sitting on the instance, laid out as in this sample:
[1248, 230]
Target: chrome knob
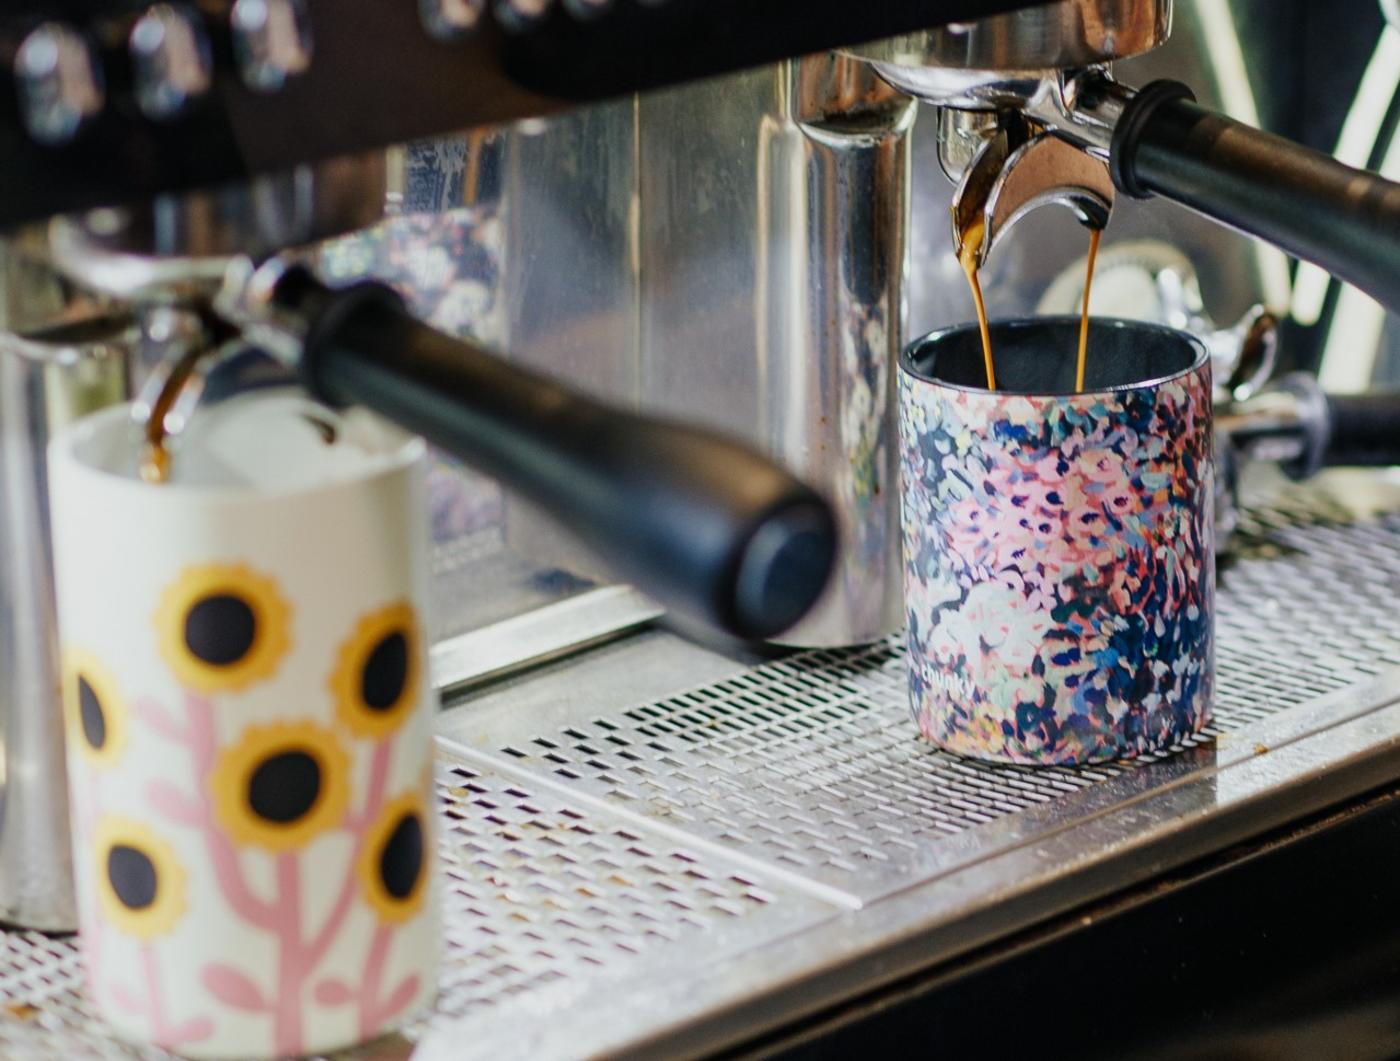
[171, 61]
[60, 83]
[272, 41]
[450, 19]
[521, 14]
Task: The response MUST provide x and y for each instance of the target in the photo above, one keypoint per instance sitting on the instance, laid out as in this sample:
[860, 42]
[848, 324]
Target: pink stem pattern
[359, 826]
[298, 957]
[153, 713]
[155, 1004]
[376, 1010]
[369, 991]
[292, 966]
[162, 1030]
[205, 747]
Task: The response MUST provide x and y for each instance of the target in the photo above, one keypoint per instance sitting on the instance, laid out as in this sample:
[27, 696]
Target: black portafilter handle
[1310, 430]
[702, 523]
[1308, 204]
[1363, 430]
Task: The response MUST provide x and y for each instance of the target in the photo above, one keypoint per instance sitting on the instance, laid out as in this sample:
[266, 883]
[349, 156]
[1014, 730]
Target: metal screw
[171, 61]
[60, 83]
[272, 39]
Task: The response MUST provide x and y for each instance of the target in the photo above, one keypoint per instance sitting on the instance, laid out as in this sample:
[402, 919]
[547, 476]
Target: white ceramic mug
[249, 749]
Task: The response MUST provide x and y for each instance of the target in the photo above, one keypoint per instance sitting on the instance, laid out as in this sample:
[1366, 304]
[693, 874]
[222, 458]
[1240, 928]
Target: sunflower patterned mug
[1059, 556]
[249, 728]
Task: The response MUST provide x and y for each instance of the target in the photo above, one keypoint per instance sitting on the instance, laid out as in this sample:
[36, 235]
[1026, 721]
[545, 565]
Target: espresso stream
[1094, 234]
[972, 238]
[972, 243]
[155, 456]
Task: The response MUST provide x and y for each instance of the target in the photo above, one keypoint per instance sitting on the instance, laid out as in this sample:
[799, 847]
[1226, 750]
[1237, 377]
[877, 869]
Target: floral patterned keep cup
[249, 730]
[1059, 563]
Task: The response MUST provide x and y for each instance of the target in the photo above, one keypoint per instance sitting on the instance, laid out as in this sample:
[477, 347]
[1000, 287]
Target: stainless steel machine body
[733, 843]
[51, 373]
[772, 294]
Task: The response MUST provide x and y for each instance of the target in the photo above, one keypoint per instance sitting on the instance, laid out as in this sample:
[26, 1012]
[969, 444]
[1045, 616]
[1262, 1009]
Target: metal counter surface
[655, 849]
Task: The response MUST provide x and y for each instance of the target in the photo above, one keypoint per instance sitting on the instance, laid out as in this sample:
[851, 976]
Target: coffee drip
[967, 257]
[155, 454]
[1094, 235]
[970, 248]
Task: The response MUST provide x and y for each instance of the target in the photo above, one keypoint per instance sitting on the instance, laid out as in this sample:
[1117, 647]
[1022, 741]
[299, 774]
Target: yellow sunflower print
[281, 785]
[378, 672]
[140, 885]
[95, 712]
[395, 859]
[222, 627]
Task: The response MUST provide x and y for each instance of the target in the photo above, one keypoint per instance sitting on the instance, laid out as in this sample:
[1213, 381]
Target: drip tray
[656, 849]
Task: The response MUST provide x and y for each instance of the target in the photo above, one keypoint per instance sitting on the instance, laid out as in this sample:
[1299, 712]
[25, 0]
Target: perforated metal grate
[45, 1012]
[541, 891]
[662, 838]
[1308, 605]
[810, 762]
[539, 896]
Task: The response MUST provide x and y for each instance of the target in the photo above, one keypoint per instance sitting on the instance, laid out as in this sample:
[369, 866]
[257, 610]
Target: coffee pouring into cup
[1047, 69]
[1096, 585]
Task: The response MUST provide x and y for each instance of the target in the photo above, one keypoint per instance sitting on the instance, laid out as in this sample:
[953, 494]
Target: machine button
[272, 41]
[60, 83]
[521, 14]
[170, 60]
[449, 19]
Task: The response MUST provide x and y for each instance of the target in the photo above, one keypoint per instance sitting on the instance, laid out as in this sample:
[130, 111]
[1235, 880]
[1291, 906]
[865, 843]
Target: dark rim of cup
[907, 355]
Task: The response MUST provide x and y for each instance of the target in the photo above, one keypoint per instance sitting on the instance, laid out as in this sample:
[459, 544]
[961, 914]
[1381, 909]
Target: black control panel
[110, 101]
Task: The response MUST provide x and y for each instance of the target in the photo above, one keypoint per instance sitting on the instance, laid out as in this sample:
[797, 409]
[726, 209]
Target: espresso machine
[640, 269]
